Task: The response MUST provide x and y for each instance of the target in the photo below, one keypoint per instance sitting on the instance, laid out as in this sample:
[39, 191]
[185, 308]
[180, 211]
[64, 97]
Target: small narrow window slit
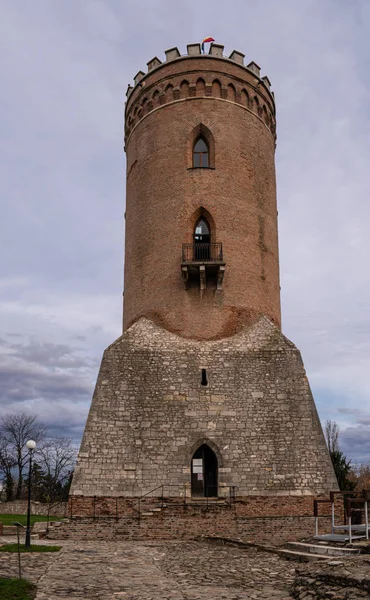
[204, 380]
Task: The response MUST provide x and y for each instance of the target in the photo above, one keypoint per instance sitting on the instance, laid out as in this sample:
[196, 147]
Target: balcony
[202, 263]
[202, 253]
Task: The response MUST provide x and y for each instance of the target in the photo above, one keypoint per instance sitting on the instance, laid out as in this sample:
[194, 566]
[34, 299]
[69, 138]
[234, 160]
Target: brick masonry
[164, 196]
[189, 522]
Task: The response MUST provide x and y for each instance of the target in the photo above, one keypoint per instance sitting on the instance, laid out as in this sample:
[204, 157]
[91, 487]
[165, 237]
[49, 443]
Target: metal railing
[350, 498]
[212, 494]
[202, 252]
[163, 495]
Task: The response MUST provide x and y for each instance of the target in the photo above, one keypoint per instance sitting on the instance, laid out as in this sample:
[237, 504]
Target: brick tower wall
[234, 109]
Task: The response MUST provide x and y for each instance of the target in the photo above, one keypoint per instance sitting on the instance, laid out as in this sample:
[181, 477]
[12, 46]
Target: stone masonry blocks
[149, 412]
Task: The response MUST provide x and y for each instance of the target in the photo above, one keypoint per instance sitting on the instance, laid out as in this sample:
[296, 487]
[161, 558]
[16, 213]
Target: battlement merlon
[195, 51]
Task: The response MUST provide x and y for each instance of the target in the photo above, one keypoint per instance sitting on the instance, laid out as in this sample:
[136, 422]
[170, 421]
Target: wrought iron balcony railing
[202, 253]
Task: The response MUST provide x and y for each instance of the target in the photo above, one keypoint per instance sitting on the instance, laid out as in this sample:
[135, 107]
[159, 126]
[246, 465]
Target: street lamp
[31, 445]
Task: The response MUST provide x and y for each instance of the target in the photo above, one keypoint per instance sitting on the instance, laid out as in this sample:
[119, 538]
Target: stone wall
[257, 519]
[150, 413]
[346, 578]
[277, 530]
[253, 507]
[192, 522]
[19, 507]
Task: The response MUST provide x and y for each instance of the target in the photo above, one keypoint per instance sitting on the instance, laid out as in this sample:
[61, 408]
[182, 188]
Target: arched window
[200, 153]
[201, 233]
[202, 240]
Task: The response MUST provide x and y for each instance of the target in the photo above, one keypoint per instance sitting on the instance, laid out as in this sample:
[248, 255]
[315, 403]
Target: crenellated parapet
[196, 75]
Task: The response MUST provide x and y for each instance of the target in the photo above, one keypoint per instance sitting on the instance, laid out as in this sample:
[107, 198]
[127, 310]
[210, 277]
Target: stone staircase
[307, 552]
[41, 528]
[170, 521]
[148, 510]
[38, 530]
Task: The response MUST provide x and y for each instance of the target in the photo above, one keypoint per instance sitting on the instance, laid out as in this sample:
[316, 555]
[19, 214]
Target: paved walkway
[155, 571]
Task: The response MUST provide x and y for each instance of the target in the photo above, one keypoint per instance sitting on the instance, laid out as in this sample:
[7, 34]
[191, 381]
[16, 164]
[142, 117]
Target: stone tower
[202, 391]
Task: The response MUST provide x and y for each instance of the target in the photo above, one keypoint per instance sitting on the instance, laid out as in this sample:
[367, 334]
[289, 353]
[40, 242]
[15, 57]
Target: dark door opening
[204, 472]
[202, 240]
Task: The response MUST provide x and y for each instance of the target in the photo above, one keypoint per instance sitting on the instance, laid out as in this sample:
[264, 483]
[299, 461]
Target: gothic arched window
[200, 153]
[201, 232]
[202, 240]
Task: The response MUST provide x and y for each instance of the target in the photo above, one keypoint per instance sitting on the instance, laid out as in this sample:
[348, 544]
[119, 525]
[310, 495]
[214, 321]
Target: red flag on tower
[206, 40]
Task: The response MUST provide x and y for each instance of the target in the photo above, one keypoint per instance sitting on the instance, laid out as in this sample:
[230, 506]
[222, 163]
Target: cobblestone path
[156, 571]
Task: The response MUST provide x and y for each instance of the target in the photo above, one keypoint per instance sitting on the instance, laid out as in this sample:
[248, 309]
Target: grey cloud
[355, 442]
[348, 411]
[64, 71]
[20, 383]
[46, 353]
[363, 420]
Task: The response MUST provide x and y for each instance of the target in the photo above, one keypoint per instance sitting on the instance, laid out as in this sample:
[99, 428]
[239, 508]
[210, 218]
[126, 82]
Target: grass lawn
[16, 589]
[9, 519]
[32, 548]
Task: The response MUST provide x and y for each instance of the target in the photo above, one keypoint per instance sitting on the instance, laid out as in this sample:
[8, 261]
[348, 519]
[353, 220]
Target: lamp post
[31, 445]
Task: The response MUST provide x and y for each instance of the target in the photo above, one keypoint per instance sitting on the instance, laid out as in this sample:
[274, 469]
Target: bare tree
[332, 436]
[56, 458]
[15, 430]
[342, 466]
[360, 475]
[7, 464]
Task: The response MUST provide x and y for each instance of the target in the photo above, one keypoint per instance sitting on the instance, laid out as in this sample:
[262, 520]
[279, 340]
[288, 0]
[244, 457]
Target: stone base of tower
[257, 519]
[244, 401]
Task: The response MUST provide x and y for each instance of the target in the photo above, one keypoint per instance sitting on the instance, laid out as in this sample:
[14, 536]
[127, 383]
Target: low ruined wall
[277, 530]
[190, 524]
[272, 520]
[244, 506]
[276, 506]
[345, 578]
[170, 524]
[19, 507]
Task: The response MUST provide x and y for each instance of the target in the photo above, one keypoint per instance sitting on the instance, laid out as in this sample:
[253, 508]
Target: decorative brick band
[250, 104]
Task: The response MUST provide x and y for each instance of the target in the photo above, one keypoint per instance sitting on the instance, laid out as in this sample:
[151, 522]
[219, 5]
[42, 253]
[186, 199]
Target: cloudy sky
[64, 69]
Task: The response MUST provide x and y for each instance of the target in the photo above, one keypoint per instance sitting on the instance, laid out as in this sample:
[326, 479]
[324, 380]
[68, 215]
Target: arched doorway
[204, 472]
[202, 238]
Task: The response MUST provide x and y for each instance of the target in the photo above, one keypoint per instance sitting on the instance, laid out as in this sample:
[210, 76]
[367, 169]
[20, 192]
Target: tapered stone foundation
[152, 409]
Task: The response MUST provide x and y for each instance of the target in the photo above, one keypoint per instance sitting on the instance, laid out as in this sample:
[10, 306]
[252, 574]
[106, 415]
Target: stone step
[150, 509]
[11, 530]
[302, 556]
[202, 500]
[320, 549]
